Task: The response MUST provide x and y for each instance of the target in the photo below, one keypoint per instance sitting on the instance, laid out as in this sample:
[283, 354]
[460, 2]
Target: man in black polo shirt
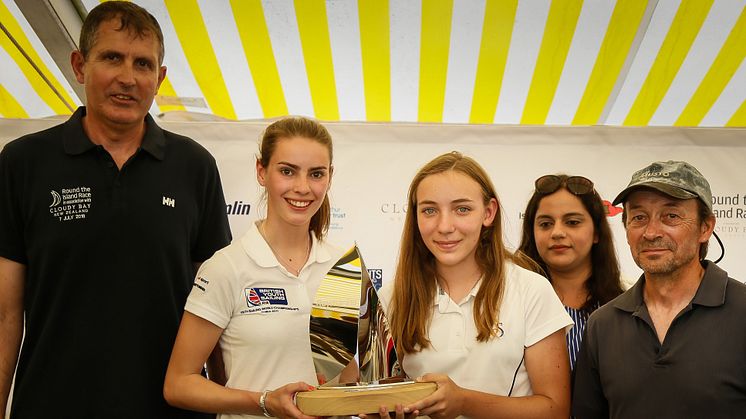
[672, 346]
[102, 221]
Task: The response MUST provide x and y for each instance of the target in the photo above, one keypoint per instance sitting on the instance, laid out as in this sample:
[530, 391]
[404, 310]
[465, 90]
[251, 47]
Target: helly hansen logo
[169, 202]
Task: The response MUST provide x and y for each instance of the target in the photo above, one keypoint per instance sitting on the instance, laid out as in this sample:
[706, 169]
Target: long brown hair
[298, 126]
[604, 283]
[415, 279]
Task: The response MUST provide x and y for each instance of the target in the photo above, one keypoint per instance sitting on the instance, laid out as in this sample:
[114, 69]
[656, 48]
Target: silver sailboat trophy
[353, 351]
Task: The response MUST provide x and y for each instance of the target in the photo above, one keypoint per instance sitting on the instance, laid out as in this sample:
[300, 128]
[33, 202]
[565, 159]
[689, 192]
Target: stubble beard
[666, 265]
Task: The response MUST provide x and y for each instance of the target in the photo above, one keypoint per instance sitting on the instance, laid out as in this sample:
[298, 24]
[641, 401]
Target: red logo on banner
[611, 210]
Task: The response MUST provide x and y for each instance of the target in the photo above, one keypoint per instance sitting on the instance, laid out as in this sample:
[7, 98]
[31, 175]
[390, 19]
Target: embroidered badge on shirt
[200, 283]
[266, 300]
[71, 203]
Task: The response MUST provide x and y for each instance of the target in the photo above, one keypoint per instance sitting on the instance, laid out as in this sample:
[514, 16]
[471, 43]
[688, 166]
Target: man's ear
[77, 62]
[706, 228]
[161, 76]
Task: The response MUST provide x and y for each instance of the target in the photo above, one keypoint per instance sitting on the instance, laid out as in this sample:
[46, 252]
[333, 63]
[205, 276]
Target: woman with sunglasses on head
[464, 314]
[566, 232]
[254, 297]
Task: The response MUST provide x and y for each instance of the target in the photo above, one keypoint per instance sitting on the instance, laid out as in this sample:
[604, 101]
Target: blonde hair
[415, 279]
[298, 126]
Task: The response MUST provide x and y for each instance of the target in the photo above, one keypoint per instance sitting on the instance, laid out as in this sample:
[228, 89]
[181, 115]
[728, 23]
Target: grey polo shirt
[699, 371]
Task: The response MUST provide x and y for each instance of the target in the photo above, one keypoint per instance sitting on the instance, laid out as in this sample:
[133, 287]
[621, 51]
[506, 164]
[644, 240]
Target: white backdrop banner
[374, 163]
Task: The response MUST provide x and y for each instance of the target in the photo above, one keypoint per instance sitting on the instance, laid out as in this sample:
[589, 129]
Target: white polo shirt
[530, 311]
[263, 309]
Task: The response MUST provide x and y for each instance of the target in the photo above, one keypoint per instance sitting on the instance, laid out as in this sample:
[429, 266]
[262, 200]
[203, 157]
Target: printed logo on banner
[730, 212]
[238, 208]
[393, 211]
[338, 217]
[393, 208]
[71, 203]
[376, 277]
[611, 210]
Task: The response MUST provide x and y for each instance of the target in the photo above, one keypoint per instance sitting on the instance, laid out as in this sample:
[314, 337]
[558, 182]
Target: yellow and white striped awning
[545, 62]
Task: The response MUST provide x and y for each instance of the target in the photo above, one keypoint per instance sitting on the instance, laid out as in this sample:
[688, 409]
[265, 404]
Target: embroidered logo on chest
[264, 296]
[266, 300]
[71, 203]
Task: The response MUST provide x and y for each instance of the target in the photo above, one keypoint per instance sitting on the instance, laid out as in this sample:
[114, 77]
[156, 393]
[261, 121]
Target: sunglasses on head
[577, 185]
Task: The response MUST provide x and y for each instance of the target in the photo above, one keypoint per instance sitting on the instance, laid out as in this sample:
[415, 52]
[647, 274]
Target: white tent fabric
[532, 62]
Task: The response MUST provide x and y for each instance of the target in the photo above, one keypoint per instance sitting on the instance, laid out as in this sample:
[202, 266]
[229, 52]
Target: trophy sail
[353, 351]
[346, 318]
[378, 360]
[334, 320]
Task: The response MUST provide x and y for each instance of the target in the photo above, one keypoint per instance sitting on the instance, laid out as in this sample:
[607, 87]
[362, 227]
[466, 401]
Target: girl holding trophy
[254, 297]
[464, 314]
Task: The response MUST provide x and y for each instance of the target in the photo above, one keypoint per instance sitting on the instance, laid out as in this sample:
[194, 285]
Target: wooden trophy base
[352, 400]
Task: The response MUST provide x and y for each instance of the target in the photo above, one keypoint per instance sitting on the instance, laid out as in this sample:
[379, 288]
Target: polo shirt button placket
[456, 341]
[116, 181]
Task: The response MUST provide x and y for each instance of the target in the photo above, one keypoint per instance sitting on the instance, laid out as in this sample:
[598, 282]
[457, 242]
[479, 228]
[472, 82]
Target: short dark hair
[604, 284]
[131, 17]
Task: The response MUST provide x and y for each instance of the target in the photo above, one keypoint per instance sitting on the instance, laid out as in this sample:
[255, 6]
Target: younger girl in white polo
[254, 297]
[464, 314]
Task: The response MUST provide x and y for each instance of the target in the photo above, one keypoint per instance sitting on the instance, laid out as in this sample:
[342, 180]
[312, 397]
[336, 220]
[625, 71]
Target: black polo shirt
[699, 371]
[109, 256]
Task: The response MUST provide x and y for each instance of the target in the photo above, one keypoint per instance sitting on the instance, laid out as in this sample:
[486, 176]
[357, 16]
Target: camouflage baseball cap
[678, 179]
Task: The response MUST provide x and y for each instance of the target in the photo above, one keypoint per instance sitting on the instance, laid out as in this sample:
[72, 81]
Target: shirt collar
[631, 300]
[710, 293]
[75, 140]
[442, 299]
[259, 251]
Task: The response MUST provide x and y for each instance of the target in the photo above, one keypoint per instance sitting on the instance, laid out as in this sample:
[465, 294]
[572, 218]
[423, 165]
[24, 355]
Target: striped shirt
[575, 335]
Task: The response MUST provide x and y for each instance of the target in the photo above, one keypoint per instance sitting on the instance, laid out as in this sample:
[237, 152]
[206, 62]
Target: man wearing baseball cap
[673, 345]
